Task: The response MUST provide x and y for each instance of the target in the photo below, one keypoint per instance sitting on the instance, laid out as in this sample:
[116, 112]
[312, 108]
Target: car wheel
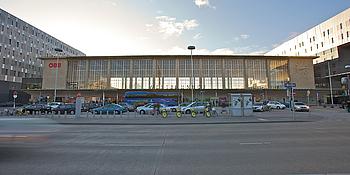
[173, 110]
[72, 112]
[117, 112]
[142, 112]
[278, 107]
[188, 111]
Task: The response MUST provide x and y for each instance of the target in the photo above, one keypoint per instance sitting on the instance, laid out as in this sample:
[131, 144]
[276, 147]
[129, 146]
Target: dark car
[109, 109]
[64, 108]
[35, 108]
[87, 107]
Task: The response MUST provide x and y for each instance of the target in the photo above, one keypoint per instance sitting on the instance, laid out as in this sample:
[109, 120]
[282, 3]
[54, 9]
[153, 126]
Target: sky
[153, 27]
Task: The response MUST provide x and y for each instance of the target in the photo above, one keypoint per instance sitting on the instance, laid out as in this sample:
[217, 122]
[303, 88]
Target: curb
[178, 123]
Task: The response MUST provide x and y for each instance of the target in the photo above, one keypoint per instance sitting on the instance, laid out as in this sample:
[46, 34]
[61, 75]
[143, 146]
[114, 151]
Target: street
[317, 147]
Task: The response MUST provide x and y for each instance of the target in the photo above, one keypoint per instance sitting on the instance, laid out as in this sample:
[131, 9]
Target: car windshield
[299, 103]
[258, 104]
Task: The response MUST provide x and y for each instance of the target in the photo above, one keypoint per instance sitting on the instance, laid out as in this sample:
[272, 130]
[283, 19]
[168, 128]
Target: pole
[55, 92]
[14, 103]
[192, 79]
[330, 83]
[292, 89]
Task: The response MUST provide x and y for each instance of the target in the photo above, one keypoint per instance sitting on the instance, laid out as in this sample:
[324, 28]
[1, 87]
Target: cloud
[241, 37]
[176, 50]
[197, 36]
[168, 26]
[244, 36]
[203, 3]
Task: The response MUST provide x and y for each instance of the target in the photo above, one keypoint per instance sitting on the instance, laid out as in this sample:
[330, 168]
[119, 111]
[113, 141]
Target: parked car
[110, 109]
[196, 106]
[127, 106]
[148, 108]
[54, 105]
[64, 108]
[34, 108]
[276, 105]
[301, 107]
[260, 107]
[87, 107]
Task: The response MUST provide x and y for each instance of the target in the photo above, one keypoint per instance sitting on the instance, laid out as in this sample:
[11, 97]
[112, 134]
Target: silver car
[195, 106]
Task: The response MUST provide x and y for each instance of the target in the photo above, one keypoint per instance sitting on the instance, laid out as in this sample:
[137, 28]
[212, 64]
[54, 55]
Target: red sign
[54, 65]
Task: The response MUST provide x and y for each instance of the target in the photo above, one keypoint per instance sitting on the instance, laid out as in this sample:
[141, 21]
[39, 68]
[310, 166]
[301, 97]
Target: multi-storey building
[21, 44]
[330, 42]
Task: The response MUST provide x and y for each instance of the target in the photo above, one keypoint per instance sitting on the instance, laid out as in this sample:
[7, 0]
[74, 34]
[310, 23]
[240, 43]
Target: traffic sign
[290, 85]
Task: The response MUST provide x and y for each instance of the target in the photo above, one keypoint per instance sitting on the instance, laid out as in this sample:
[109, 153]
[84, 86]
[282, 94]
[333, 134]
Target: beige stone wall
[302, 73]
[49, 74]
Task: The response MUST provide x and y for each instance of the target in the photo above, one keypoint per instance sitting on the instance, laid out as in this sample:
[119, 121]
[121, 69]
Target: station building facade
[213, 76]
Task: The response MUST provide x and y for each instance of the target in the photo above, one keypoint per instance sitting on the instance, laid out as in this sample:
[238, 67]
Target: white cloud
[176, 50]
[244, 36]
[168, 26]
[201, 3]
[197, 36]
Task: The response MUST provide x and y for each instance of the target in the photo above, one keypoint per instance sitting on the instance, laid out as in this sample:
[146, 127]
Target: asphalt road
[320, 147]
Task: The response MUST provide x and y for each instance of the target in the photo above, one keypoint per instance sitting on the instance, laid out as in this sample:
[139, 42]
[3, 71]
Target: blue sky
[134, 27]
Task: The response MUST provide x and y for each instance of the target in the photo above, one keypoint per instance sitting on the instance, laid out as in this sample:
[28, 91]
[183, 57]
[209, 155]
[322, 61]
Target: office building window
[332, 40]
[341, 26]
[347, 34]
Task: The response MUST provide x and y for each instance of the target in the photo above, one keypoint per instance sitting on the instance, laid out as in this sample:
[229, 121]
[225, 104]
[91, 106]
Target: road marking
[262, 119]
[255, 143]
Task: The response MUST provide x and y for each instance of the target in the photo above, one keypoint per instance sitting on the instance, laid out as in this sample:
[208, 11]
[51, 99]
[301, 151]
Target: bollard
[65, 114]
[45, 114]
[101, 114]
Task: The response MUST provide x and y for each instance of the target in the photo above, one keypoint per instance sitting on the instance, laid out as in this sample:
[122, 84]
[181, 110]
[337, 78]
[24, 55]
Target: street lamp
[192, 79]
[55, 92]
[330, 82]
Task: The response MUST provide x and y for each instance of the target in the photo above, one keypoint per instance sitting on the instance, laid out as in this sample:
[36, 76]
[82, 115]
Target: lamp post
[55, 91]
[330, 83]
[192, 79]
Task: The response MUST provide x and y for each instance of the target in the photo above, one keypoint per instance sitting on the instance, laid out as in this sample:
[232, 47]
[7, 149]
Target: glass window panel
[278, 70]
[256, 73]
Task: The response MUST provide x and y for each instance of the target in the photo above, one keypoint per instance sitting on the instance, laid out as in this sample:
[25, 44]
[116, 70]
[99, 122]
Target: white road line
[262, 119]
[255, 143]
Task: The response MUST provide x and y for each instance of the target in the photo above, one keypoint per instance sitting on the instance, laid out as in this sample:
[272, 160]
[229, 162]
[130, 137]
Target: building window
[324, 34]
[328, 32]
[332, 40]
[341, 26]
[278, 70]
[313, 38]
[256, 73]
[342, 36]
[347, 34]
[321, 44]
[10, 41]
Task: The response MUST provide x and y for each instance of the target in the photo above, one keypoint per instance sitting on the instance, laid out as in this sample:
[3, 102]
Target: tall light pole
[330, 83]
[56, 76]
[192, 79]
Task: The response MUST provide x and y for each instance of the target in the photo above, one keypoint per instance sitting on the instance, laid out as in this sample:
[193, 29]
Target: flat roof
[181, 56]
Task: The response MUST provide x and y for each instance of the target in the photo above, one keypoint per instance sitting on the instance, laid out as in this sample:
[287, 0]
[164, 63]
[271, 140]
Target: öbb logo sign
[54, 65]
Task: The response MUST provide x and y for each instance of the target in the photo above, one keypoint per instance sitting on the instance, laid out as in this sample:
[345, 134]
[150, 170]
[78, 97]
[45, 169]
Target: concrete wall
[49, 75]
[302, 73]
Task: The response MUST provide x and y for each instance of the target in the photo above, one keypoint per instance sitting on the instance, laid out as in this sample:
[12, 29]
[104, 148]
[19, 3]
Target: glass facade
[176, 73]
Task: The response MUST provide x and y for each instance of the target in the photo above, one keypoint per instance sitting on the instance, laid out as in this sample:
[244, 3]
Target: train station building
[210, 76]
